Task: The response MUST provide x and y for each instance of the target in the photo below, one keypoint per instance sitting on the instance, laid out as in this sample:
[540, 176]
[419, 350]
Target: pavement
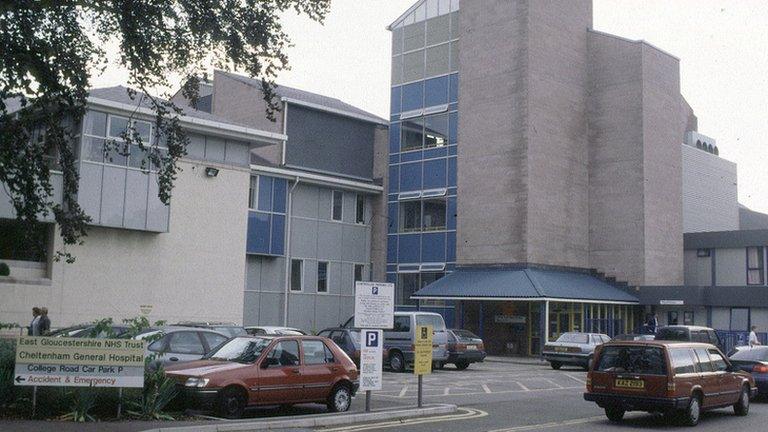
[495, 396]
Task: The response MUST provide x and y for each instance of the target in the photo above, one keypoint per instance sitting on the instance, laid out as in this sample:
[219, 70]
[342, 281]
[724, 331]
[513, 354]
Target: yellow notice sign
[422, 362]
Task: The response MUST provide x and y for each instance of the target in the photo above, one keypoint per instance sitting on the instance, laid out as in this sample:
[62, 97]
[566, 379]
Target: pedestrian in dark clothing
[653, 323]
[45, 322]
[34, 326]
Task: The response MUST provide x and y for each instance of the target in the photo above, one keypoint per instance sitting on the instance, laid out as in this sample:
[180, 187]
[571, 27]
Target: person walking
[45, 322]
[753, 340]
[34, 326]
[653, 323]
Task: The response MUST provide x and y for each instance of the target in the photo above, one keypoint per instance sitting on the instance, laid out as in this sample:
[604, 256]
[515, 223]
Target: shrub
[83, 400]
[159, 392]
[4, 269]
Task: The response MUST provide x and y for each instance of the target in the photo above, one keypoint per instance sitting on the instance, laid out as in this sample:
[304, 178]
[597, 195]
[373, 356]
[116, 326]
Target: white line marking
[553, 383]
[522, 386]
[482, 393]
[549, 425]
[575, 379]
[446, 391]
[486, 389]
[465, 414]
[402, 392]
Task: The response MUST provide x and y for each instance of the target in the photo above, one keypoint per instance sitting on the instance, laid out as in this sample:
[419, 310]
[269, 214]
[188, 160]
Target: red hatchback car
[262, 370]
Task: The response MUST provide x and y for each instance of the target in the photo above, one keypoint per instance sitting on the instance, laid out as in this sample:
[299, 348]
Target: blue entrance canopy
[523, 284]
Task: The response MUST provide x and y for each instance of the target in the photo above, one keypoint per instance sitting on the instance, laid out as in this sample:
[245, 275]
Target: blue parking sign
[371, 338]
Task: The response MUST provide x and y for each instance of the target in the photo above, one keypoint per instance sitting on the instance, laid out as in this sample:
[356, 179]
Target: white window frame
[361, 220]
[327, 277]
[255, 204]
[301, 278]
[341, 212]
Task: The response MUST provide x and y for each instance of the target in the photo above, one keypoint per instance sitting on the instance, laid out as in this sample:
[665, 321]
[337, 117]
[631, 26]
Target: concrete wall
[710, 192]
[119, 270]
[698, 270]
[379, 212]
[731, 267]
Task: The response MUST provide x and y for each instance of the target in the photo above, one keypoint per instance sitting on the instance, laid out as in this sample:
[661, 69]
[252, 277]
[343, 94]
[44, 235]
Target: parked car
[755, 361]
[265, 370]
[573, 348]
[464, 347]
[689, 334]
[677, 379]
[273, 331]
[348, 339]
[171, 345]
[85, 330]
[399, 341]
[634, 336]
[229, 329]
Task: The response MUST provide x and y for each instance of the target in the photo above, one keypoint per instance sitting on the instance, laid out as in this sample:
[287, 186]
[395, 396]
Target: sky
[721, 46]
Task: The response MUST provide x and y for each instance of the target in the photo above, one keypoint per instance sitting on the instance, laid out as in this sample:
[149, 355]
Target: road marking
[465, 414]
[483, 393]
[402, 392]
[575, 379]
[549, 425]
[522, 386]
[446, 391]
[553, 383]
[486, 389]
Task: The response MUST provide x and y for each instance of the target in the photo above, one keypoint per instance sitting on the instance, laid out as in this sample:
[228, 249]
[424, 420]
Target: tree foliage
[51, 49]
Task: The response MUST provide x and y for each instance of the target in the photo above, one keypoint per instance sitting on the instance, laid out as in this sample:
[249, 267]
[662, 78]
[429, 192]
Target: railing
[732, 339]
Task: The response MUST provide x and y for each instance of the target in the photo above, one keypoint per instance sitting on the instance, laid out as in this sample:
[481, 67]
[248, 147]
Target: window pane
[143, 131]
[438, 29]
[454, 62]
[626, 359]
[296, 275]
[397, 41]
[286, 353]
[185, 343]
[753, 257]
[718, 362]
[410, 216]
[315, 352]
[360, 209]
[436, 91]
[682, 362]
[705, 365]
[117, 126]
[437, 59]
[14, 246]
[754, 277]
[338, 201]
[688, 318]
[428, 278]
[412, 134]
[402, 323]
[409, 284]
[322, 277]
[252, 193]
[413, 96]
[397, 70]
[138, 158]
[93, 149]
[265, 193]
[436, 130]
[95, 123]
[117, 153]
[213, 340]
[413, 36]
[413, 66]
[359, 272]
[434, 214]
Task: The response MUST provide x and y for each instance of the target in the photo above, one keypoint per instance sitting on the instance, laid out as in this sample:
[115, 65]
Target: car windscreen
[240, 349]
[288, 332]
[231, 331]
[579, 338]
[751, 354]
[436, 321]
[465, 334]
[632, 359]
[673, 334]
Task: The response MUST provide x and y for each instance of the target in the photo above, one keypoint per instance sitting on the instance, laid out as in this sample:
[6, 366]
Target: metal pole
[420, 383]
[34, 400]
[367, 401]
[119, 402]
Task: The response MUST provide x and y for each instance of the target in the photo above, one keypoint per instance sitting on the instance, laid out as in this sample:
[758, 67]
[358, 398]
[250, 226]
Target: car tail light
[461, 347]
[760, 368]
[481, 347]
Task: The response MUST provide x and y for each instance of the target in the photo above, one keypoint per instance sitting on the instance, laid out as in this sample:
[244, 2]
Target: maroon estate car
[263, 370]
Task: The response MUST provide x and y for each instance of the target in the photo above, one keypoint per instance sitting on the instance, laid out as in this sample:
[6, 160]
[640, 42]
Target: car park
[266, 370]
[170, 345]
[573, 348]
[273, 331]
[464, 348]
[678, 379]
[229, 329]
[689, 334]
[755, 361]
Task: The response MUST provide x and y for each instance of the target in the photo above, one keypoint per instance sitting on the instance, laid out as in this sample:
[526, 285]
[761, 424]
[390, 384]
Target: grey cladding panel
[196, 146]
[136, 199]
[215, 149]
[271, 309]
[89, 192]
[303, 237]
[157, 212]
[237, 153]
[330, 143]
[354, 243]
[304, 201]
[329, 242]
[113, 196]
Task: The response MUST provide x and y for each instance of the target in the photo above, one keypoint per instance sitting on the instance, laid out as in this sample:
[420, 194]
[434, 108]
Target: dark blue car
[755, 361]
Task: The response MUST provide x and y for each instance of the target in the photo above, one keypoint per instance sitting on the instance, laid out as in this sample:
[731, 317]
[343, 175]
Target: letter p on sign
[371, 339]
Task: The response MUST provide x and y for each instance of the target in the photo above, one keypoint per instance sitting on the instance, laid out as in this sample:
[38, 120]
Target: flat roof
[725, 239]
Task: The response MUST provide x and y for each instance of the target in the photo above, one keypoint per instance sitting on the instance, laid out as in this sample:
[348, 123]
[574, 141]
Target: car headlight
[196, 382]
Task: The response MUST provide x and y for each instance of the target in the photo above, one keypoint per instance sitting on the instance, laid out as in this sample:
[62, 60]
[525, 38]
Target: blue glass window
[433, 247]
[392, 249]
[394, 179]
[279, 195]
[394, 101]
[410, 177]
[451, 213]
[453, 127]
[450, 247]
[434, 174]
[452, 171]
[258, 233]
[394, 138]
[436, 91]
[278, 234]
[413, 96]
[265, 193]
[454, 94]
[392, 215]
[409, 248]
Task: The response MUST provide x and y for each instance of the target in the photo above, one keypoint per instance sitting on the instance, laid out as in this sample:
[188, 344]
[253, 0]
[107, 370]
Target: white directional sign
[374, 305]
[371, 362]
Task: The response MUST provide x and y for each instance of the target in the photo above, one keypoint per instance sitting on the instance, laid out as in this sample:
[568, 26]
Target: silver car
[573, 348]
[273, 331]
[172, 345]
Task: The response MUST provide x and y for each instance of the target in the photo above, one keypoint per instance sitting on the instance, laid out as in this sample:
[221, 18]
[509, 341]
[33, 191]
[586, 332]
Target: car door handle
[295, 371]
[174, 359]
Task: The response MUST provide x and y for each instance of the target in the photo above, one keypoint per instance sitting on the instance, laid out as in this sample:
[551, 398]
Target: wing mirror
[269, 361]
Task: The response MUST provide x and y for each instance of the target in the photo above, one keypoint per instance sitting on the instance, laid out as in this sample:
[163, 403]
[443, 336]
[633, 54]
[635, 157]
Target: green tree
[50, 50]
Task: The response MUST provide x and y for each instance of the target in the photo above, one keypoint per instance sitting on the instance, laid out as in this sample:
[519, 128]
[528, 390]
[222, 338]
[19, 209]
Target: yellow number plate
[629, 383]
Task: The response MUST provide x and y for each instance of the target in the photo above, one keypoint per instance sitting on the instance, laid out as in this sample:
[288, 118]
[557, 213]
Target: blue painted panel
[394, 159]
[454, 94]
[436, 91]
[452, 171]
[392, 249]
[435, 152]
[453, 128]
[391, 197]
[433, 247]
[450, 247]
[258, 233]
[265, 193]
[409, 248]
[278, 235]
[394, 100]
[391, 277]
[453, 107]
[391, 267]
[453, 150]
[434, 174]
[411, 156]
[410, 177]
[452, 190]
[394, 178]
[393, 217]
[451, 209]
[281, 185]
[413, 96]
[394, 138]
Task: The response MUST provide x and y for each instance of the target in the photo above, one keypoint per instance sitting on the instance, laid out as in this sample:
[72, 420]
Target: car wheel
[691, 415]
[397, 362]
[232, 403]
[741, 408]
[462, 365]
[614, 414]
[340, 399]
[555, 365]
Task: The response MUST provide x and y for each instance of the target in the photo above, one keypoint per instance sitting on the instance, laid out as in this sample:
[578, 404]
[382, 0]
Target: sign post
[422, 362]
[374, 311]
